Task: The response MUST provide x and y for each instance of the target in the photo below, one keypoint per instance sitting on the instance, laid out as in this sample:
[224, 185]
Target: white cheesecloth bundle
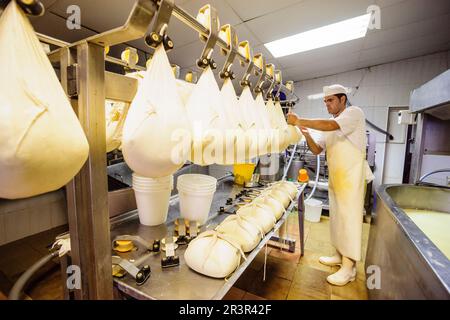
[42, 144]
[155, 136]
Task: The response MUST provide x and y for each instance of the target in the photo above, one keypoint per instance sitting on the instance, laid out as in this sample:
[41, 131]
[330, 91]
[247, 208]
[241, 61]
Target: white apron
[347, 175]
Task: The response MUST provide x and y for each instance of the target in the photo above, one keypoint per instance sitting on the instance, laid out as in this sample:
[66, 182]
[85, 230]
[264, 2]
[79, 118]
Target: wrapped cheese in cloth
[42, 144]
[214, 254]
[259, 214]
[242, 230]
[156, 135]
[213, 140]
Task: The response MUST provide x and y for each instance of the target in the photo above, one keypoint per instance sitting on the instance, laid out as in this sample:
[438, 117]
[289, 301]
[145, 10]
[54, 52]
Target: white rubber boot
[346, 274]
[335, 260]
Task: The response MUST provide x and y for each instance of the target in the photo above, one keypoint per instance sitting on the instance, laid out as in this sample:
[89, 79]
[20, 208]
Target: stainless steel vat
[411, 266]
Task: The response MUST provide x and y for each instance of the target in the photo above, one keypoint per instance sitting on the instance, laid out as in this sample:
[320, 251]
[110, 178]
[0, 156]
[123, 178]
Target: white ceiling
[409, 28]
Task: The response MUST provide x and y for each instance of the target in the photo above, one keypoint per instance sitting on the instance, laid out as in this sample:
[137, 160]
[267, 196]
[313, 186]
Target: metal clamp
[231, 38]
[278, 82]
[159, 33]
[270, 72]
[140, 275]
[32, 7]
[209, 14]
[260, 62]
[247, 52]
[169, 259]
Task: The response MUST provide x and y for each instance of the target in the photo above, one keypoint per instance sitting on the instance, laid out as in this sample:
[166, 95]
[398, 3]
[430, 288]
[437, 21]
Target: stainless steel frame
[411, 266]
[432, 131]
[178, 282]
[86, 83]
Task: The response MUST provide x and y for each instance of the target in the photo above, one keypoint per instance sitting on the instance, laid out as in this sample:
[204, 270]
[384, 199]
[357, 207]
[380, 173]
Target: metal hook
[159, 33]
[278, 82]
[210, 14]
[232, 41]
[260, 62]
[247, 52]
[32, 7]
[270, 71]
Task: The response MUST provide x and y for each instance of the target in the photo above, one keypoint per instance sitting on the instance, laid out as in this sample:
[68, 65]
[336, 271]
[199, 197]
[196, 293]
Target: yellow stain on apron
[347, 166]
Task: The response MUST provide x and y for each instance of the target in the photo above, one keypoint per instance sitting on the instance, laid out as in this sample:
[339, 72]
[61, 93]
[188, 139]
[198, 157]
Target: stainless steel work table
[182, 283]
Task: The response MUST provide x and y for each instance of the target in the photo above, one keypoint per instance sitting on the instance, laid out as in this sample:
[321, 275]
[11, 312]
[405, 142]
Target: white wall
[378, 88]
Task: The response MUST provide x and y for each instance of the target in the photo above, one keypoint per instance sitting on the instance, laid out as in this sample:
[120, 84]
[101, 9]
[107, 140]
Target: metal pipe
[431, 173]
[184, 17]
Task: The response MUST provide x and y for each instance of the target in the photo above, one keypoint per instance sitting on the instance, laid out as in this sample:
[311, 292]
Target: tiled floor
[288, 276]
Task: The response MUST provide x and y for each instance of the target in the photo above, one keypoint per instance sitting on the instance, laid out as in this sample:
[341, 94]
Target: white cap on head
[334, 89]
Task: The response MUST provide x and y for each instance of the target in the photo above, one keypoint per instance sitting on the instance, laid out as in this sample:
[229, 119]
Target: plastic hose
[18, 287]
[289, 163]
[317, 178]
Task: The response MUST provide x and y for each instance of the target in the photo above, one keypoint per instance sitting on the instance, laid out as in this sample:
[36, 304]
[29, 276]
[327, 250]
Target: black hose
[20, 284]
[391, 137]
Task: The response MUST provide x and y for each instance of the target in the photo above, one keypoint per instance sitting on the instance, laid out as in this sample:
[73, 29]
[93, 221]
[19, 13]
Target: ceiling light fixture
[335, 33]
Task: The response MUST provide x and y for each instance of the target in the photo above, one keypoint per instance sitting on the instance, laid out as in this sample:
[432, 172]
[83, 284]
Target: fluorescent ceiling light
[339, 32]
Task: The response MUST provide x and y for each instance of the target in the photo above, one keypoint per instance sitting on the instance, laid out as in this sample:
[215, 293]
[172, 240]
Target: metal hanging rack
[83, 77]
[166, 9]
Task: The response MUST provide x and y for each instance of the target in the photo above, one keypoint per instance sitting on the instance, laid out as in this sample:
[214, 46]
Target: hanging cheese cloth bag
[184, 90]
[237, 123]
[293, 134]
[116, 113]
[156, 134]
[258, 214]
[211, 138]
[280, 132]
[213, 254]
[42, 144]
[251, 123]
[265, 132]
[242, 231]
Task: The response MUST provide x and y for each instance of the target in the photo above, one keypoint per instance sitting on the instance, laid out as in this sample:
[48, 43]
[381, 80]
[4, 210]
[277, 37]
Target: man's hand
[292, 119]
[305, 131]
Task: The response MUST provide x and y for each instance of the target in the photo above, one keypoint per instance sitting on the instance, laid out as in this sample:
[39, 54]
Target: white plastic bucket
[198, 181]
[196, 193]
[313, 210]
[152, 199]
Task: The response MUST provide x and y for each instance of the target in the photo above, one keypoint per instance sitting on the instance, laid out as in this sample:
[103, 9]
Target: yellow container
[243, 173]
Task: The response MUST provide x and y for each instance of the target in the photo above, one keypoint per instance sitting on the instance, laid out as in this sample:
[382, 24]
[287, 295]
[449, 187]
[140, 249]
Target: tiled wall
[379, 87]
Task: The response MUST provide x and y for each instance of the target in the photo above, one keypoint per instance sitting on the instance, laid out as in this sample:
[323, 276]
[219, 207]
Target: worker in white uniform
[344, 140]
